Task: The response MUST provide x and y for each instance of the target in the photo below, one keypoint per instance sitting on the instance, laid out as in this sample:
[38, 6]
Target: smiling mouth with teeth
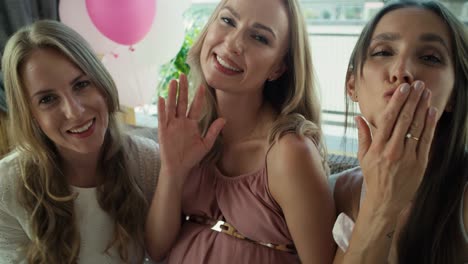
[83, 128]
[226, 65]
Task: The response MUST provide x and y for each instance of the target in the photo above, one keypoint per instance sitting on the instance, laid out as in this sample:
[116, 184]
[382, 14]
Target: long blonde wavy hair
[43, 189]
[293, 96]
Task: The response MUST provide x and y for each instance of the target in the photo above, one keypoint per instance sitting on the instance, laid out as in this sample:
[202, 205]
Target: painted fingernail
[404, 88]
[432, 111]
[426, 94]
[418, 85]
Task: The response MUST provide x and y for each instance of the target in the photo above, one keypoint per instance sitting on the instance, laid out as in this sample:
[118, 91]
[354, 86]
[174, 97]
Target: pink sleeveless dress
[243, 201]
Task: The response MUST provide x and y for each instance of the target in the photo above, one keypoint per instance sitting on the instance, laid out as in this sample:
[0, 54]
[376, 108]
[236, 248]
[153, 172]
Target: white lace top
[94, 224]
[344, 225]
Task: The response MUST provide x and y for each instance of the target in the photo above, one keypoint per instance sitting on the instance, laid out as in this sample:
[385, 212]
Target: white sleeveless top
[94, 224]
[344, 225]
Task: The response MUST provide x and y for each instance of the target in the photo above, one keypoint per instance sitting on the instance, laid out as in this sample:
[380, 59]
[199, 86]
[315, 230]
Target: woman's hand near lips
[394, 157]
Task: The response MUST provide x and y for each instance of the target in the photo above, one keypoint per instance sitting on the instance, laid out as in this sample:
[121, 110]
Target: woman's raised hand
[182, 145]
[394, 158]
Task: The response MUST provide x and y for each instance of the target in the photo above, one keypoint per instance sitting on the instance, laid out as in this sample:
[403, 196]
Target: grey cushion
[337, 163]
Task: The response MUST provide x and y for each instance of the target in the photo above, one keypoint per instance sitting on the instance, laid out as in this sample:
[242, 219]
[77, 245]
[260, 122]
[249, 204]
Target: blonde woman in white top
[75, 188]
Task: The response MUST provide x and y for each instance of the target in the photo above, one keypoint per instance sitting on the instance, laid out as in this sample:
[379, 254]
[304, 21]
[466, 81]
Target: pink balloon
[74, 14]
[123, 21]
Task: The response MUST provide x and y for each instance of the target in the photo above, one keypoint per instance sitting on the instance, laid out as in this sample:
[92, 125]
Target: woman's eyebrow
[387, 36]
[256, 25]
[425, 37]
[431, 37]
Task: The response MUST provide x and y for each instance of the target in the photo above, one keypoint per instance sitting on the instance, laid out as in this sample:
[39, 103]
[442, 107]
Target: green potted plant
[195, 19]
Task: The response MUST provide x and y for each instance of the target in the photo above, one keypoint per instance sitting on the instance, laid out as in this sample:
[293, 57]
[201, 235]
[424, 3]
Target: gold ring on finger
[411, 137]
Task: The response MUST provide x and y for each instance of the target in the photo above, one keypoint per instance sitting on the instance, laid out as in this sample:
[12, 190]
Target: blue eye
[383, 53]
[47, 99]
[81, 85]
[261, 39]
[228, 21]
[431, 59]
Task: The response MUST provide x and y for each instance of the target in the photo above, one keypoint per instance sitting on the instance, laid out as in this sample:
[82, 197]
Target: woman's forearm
[164, 217]
[373, 234]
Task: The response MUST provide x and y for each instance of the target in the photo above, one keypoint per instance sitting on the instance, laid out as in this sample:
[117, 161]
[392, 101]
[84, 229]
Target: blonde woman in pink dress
[244, 176]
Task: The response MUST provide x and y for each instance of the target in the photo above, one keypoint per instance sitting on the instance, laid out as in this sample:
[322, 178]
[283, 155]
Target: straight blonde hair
[43, 189]
[293, 96]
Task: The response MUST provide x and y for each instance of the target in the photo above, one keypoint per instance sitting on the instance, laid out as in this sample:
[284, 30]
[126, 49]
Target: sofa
[337, 163]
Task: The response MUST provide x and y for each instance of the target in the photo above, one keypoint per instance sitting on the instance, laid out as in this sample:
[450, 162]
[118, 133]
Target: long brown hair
[293, 95]
[432, 232]
[43, 189]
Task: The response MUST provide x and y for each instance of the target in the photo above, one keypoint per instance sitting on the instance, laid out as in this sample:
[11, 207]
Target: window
[333, 27]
